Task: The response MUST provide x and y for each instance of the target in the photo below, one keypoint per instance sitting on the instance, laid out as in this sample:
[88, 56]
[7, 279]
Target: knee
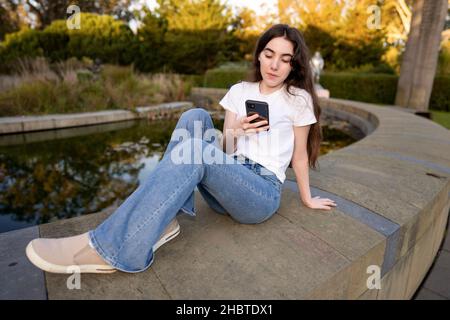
[196, 114]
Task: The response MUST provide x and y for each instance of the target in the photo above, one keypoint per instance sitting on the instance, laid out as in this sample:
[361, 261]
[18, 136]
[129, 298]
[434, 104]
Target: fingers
[248, 119]
[246, 126]
[325, 204]
[256, 130]
[326, 201]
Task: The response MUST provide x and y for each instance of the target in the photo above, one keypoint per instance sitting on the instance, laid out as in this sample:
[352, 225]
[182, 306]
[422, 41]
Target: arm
[301, 169]
[300, 162]
[227, 134]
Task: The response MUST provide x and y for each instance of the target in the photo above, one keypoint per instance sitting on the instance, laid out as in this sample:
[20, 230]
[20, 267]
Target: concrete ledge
[58, 121]
[392, 189]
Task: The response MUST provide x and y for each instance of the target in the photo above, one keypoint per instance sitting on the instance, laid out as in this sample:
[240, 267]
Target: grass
[441, 117]
[40, 88]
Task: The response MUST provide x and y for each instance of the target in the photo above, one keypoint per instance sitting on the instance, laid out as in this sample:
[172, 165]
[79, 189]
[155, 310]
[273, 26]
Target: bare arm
[227, 134]
[301, 168]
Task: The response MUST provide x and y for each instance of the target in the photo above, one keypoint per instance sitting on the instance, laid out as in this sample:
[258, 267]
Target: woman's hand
[242, 126]
[320, 203]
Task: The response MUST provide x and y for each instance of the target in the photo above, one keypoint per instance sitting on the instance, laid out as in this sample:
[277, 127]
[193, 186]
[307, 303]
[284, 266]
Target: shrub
[224, 78]
[100, 37]
[374, 88]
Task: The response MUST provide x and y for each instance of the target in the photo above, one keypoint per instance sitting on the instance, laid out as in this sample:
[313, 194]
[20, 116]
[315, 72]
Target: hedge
[367, 87]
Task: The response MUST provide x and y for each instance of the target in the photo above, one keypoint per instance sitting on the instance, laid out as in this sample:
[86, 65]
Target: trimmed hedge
[380, 88]
[223, 78]
[373, 88]
[440, 96]
[367, 87]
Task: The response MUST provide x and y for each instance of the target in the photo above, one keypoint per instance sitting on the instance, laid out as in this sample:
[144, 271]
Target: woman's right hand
[242, 126]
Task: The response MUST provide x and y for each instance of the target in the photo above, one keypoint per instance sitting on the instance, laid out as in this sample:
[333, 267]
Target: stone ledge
[392, 189]
[10, 125]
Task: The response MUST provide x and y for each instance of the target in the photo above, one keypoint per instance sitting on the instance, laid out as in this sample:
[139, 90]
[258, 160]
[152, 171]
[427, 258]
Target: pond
[51, 175]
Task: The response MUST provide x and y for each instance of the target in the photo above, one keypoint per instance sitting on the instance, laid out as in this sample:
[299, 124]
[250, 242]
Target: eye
[268, 56]
[286, 61]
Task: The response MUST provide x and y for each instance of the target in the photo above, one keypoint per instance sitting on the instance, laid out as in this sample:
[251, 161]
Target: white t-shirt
[272, 149]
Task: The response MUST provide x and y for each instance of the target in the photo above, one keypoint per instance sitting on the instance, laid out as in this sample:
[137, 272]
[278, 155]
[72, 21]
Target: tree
[150, 36]
[12, 17]
[197, 36]
[336, 28]
[46, 11]
[419, 60]
[396, 20]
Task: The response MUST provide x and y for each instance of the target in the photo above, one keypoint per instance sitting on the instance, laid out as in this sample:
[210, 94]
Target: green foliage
[193, 52]
[367, 68]
[367, 83]
[224, 78]
[187, 37]
[22, 44]
[374, 88]
[380, 88]
[150, 44]
[341, 52]
[80, 90]
[100, 37]
[443, 67]
[440, 95]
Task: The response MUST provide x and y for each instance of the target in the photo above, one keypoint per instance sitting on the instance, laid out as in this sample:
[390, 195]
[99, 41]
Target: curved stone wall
[392, 190]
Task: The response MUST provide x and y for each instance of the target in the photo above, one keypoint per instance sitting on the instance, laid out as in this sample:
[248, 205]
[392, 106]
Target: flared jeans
[230, 184]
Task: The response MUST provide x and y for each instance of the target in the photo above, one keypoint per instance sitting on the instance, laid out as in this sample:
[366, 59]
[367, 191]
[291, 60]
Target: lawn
[441, 117]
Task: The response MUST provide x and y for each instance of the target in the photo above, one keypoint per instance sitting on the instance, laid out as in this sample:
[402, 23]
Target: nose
[274, 64]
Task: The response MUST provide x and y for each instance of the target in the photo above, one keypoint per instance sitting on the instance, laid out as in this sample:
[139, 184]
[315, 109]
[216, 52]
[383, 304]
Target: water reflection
[67, 177]
[60, 174]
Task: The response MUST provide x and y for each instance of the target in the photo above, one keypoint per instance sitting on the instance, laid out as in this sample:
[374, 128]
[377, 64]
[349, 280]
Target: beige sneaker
[74, 254]
[67, 255]
[171, 231]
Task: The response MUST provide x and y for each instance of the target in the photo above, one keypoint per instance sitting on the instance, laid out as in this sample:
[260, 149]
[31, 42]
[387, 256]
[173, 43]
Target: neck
[265, 89]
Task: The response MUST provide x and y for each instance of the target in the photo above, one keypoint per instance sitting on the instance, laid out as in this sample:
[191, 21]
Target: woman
[241, 176]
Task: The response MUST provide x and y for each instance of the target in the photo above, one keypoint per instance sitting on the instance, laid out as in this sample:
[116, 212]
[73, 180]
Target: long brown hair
[300, 77]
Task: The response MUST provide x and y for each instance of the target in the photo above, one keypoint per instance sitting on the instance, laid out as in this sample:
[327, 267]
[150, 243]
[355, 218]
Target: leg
[210, 200]
[60, 255]
[126, 238]
[195, 122]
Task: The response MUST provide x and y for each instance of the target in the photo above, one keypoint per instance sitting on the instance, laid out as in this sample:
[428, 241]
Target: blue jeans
[234, 186]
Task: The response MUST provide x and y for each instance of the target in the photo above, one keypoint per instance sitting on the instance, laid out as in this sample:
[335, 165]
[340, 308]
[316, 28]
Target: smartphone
[259, 107]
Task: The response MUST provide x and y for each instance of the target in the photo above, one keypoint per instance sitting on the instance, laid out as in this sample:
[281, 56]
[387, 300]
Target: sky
[259, 6]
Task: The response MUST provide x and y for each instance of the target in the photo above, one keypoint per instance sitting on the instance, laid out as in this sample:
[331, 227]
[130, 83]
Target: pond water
[51, 175]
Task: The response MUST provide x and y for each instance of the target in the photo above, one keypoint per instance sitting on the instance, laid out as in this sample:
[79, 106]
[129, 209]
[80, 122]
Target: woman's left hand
[320, 203]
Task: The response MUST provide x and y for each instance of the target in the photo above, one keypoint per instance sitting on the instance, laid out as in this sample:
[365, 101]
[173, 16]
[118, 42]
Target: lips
[272, 75]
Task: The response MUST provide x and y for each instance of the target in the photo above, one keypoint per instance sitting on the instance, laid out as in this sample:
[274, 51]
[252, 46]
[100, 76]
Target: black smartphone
[259, 107]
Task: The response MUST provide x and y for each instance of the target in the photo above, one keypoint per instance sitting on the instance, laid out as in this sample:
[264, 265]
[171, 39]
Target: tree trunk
[421, 54]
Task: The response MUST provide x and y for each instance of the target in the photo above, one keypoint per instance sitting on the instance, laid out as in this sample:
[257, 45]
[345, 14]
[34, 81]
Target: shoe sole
[55, 268]
[171, 235]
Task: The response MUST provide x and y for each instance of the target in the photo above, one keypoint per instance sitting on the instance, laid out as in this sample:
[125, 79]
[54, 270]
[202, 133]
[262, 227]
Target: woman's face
[275, 61]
